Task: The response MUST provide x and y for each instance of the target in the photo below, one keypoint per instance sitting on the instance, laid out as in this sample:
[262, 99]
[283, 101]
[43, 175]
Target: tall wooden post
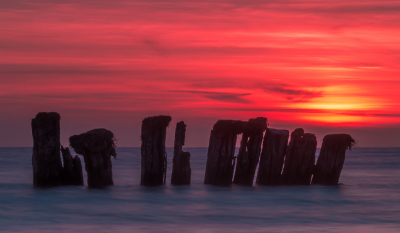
[46, 160]
[221, 152]
[181, 172]
[331, 158]
[249, 151]
[272, 156]
[153, 154]
[300, 158]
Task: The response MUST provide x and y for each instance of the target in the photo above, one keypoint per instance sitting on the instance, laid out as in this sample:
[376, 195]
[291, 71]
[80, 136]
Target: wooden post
[300, 158]
[154, 156]
[249, 152]
[331, 158]
[96, 146]
[272, 157]
[221, 152]
[181, 172]
[46, 160]
[72, 170]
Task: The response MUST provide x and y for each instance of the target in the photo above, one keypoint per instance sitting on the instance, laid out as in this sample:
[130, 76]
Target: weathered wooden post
[221, 152]
[272, 156]
[300, 158]
[46, 160]
[249, 151]
[331, 158]
[72, 171]
[181, 172]
[96, 146]
[154, 157]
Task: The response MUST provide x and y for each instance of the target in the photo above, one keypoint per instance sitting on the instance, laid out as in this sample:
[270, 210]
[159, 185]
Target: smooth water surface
[368, 200]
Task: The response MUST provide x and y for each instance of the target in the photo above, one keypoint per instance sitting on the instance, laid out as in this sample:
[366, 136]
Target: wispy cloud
[156, 46]
[295, 95]
[220, 96]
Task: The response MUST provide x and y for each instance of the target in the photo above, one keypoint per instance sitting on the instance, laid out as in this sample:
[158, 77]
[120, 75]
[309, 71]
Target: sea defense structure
[154, 156]
[96, 146]
[181, 172]
[331, 158]
[221, 152]
[272, 156]
[249, 151]
[72, 171]
[300, 158]
[46, 160]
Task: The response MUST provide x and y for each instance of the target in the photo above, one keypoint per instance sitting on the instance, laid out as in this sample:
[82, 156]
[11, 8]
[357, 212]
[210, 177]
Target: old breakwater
[281, 163]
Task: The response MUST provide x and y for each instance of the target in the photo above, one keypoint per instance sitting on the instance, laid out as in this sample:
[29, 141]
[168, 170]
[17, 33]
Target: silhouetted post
[72, 168]
[272, 156]
[300, 158]
[331, 158]
[249, 151]
[96, 146]
[46, 160]
[154, 157]
[221, 152]
[181, 171]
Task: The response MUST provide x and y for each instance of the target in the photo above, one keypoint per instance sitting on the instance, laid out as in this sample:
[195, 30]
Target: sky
[325, 66]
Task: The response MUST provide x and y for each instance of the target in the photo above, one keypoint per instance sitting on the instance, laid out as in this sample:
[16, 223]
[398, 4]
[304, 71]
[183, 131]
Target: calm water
[368, 200]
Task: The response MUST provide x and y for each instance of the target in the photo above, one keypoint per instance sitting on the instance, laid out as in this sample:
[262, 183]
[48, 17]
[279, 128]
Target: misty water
[367, 201]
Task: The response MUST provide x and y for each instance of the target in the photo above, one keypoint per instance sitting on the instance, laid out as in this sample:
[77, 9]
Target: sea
[367, 200]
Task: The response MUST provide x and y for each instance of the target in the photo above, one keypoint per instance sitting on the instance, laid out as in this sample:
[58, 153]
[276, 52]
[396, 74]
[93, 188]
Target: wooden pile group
[279, 161]
[96, 147]
[48, 170]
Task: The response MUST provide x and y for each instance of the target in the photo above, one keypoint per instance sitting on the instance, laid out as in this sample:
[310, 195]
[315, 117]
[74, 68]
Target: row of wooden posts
[280, 162]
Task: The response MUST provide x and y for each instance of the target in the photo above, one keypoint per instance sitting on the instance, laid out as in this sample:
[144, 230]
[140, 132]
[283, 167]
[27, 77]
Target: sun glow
[342, 119]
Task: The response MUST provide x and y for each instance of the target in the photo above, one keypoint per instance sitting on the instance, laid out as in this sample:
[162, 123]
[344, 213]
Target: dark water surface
[368, 200]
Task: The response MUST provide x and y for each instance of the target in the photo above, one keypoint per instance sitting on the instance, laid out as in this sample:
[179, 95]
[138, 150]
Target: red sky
[326, 67]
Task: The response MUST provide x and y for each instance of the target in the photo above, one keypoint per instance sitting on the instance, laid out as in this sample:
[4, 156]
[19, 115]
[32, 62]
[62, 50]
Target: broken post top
[339, 141]
[236, 127]
[309, 136]
[65, 149]
[96, 139]
[299, 132]
[156, 122]
[180, 133]
[46, 118]
[256, 125]
[283, 132]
